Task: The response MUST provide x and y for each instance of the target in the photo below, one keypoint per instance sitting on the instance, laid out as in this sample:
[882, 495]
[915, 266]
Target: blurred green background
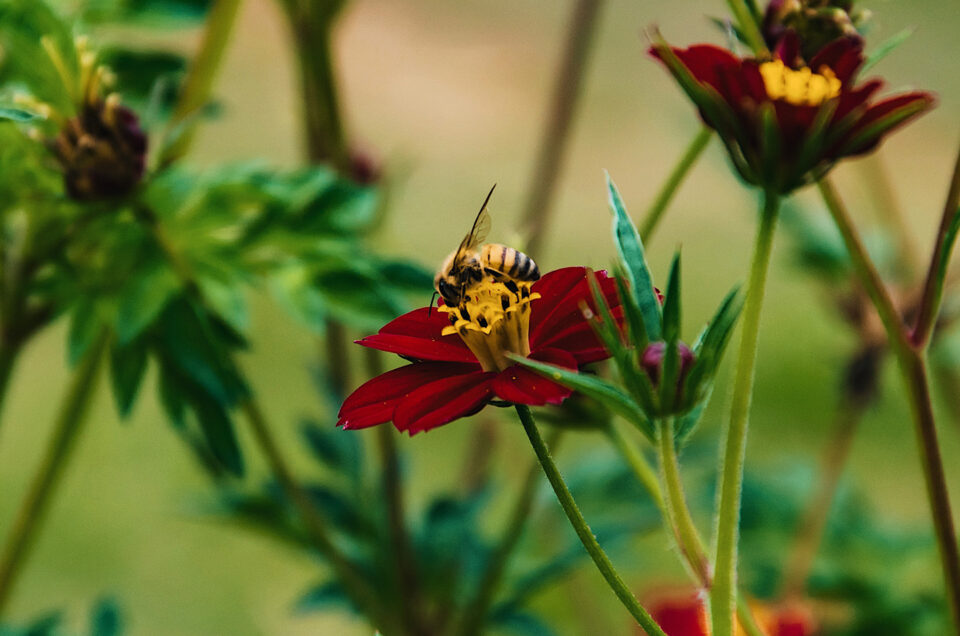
[453, 95]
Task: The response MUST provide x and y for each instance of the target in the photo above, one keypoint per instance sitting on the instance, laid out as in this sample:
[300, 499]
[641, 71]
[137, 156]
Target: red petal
[788, 49]
[416, 335]
[564, 312]
[443, 401]
[523, 386]
[853, 99]
[375, 400]
[704, 62]
[843, 56]
[884, 108]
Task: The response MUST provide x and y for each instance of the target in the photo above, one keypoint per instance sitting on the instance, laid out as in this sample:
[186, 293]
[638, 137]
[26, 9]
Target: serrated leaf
[128, 363]
[9, 113]
[611, 396]
[634, 260]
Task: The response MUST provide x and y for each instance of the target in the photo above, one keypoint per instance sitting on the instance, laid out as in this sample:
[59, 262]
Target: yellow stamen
[800, 87]
[493, 320]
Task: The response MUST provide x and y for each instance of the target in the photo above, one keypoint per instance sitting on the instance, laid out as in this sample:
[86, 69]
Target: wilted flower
[461, 356]
[785, 123]
[102, 150]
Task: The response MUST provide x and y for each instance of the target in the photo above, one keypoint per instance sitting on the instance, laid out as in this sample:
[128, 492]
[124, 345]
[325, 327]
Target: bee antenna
[432, 298]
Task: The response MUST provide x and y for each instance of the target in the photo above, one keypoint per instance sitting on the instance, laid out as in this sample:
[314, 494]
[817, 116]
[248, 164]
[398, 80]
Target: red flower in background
[786, 122]
[459, 355]
[686, 615]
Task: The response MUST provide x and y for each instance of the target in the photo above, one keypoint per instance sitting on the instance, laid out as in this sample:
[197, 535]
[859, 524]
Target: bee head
[450, 292]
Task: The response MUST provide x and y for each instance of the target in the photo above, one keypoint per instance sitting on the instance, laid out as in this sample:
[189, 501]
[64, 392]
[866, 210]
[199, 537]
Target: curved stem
[723, 592]
[669, 188]
[474, 616]
[559, 122]
[30, 515]
[203, 71]
[600, 558]
[678, 513]
[913, 370]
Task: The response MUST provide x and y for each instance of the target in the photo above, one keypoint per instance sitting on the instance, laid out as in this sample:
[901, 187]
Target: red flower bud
[652, 360]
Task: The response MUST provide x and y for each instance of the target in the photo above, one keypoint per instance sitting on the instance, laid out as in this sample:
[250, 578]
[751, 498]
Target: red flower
[786, 124]
[686, 615]
[459, 359]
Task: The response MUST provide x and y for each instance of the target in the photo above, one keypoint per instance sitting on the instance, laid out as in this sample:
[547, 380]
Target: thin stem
[933, 287]
[748, 26]
[556, 135]
[814, 519]
[203, 72]
[583, 531]
[347, 572]
[891, 212]
[474, 617]
[913, 369]
[723, 592]
[338, 358]
[8, 358]
[669, 188]
[678, 513]
[32, 511]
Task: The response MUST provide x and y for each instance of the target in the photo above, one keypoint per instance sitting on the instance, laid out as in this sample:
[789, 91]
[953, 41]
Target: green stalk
[723, 592]
[748, 26]
[669, 188]
[203, 72]
[600, 558]
[8, 358]
[912, 362]
[678, 513]
[32, 511]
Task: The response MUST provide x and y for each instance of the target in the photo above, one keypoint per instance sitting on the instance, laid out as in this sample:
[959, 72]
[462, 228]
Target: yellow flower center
[493, 320]
[800, 87]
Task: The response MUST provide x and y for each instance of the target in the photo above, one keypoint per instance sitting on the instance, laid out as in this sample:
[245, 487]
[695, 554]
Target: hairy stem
[723, 592]
[32, 511]
[933, 287]
[676, 177]
[678, 514]
[199, 83]
[814, 519]
[556, 134]
[912, 365]
[600, 558]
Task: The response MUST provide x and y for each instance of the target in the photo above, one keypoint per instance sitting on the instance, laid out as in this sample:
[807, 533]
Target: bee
[473, 260]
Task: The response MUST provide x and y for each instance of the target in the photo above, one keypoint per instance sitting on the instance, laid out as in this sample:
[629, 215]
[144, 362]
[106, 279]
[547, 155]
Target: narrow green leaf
[946, 249]
[323, 597]
[142, 300]
[84, 327]
[670, 372]
[631, 252]
[772, 145]
[710, 346]
[886, 47]
[599, 389]
[869, 135]
[128, 363]
[18, 115]
[218, 430]
[636, 333]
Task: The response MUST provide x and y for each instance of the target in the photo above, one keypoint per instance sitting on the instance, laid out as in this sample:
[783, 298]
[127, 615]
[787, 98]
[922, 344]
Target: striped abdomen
[508, 262]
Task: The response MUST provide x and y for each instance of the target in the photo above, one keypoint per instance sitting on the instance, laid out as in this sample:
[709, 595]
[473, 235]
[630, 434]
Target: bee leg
[498, 276]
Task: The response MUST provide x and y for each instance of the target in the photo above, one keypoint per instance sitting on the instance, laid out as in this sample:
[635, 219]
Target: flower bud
[652, 360]
[365, 167]
[102, 151]
[815, 22]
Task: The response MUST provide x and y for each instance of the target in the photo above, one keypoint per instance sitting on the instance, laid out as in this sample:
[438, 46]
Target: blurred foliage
[105, 620]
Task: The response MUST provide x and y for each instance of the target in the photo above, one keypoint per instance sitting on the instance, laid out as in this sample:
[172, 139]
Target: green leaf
[142, 300]
[631, 252]
[322, 598]
[18, 115]
[84, 328]
[771, 143]
[636, 332]
[335, 448]
[869, 135]
[138, 71]
[946, 249]
[670, 372]
[217, 428]
[886, 47]
[128, 363]
[611, 396]
[106, 619]
[711, 344]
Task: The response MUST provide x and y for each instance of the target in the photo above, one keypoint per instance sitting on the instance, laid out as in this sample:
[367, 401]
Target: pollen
[494, 321]
[801, 87]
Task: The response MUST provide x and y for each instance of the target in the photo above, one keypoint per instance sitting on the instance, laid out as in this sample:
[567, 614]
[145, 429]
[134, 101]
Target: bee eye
[445, 289]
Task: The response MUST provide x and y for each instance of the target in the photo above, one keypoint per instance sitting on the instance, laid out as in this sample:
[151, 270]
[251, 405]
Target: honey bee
[473, 260]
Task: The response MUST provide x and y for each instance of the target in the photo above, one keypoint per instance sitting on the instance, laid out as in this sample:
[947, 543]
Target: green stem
[748, 26]
[346, 571]
[678, 513]
[32, 510]
[673, 182]
[723, 592]
[203, 72]
[556, 135]
[8, 358]
[583, 531]
[912, 365]
[933, 287]
[474, 616]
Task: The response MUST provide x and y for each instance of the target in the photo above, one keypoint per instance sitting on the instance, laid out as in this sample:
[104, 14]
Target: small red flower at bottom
[684, 614]
[460, 355]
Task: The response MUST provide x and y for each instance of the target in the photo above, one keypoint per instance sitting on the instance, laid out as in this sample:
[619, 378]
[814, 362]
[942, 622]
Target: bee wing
[478, 233]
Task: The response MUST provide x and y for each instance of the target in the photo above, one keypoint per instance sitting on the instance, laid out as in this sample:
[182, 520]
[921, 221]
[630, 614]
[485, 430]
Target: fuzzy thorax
[493, 320]
[801, 87]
